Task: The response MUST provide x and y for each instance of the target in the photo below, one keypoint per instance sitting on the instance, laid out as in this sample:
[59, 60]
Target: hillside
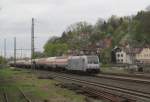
[132, 30]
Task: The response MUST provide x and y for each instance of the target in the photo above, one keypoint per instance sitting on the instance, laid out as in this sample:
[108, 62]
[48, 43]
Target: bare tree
[148, 8]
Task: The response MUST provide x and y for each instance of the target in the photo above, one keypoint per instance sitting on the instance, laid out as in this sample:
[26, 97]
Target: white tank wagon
[11, 64]
[20, 63]
[27, 64]
[50, 62]
[61, 63]
[39, 63]
[84, 63]
[55, 63]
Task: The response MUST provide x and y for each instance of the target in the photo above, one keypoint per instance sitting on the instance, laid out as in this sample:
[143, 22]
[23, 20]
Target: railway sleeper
[94, 93]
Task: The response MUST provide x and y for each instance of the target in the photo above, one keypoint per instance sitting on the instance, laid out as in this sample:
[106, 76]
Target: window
[121, 60]
[118, 55]
[121, 55]
[92, 60]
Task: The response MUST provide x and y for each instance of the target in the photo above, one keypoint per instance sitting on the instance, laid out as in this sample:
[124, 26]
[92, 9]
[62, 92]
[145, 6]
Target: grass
[114, 70]
[36, 89]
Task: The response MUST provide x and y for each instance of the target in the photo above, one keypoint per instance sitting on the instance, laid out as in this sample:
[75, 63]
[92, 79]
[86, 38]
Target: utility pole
[5, 48]
[1, 50]
[21, 53]
[32, 44]
[4, 52]
[14, 50]
[32, 40]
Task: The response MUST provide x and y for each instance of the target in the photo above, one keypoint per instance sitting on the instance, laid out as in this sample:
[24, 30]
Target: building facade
[133, 56]
[144, 56]
[122, 57]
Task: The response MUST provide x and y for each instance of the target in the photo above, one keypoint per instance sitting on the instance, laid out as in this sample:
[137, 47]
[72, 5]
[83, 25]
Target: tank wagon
[51, 63]
[72, 63]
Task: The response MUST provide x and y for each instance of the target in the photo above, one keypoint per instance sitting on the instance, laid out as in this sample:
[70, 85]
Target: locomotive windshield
[93, 60]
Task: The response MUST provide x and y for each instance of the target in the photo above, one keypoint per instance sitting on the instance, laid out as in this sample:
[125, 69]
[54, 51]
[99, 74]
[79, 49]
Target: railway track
[133, 75]
[13, 96]
[137, 84]
[133, 78]
[116, 76]
[3, 95]
[26, 99]
[121, 92]
[131, 88]
[130, 83]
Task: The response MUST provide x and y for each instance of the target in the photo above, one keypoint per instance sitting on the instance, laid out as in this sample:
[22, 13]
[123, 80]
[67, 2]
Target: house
[122, 57]
[127, 55]
[144, 56]
[132, 55]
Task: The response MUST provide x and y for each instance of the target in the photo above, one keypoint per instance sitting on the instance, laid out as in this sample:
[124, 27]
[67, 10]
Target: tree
[142, 27]
[80, 27]
[148, 8]
[114, 21]
[39, 55]
[53, 39]
[133, 30]
[51, 49]
[2, 60]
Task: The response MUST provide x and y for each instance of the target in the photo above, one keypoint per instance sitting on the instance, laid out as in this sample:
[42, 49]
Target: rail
[132, 94]
[24, 96]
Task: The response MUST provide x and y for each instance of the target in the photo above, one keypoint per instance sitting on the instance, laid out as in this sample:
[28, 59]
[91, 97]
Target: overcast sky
[54, 16]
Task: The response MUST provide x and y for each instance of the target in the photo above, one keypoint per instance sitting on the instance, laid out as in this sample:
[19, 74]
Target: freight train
[85, 63]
